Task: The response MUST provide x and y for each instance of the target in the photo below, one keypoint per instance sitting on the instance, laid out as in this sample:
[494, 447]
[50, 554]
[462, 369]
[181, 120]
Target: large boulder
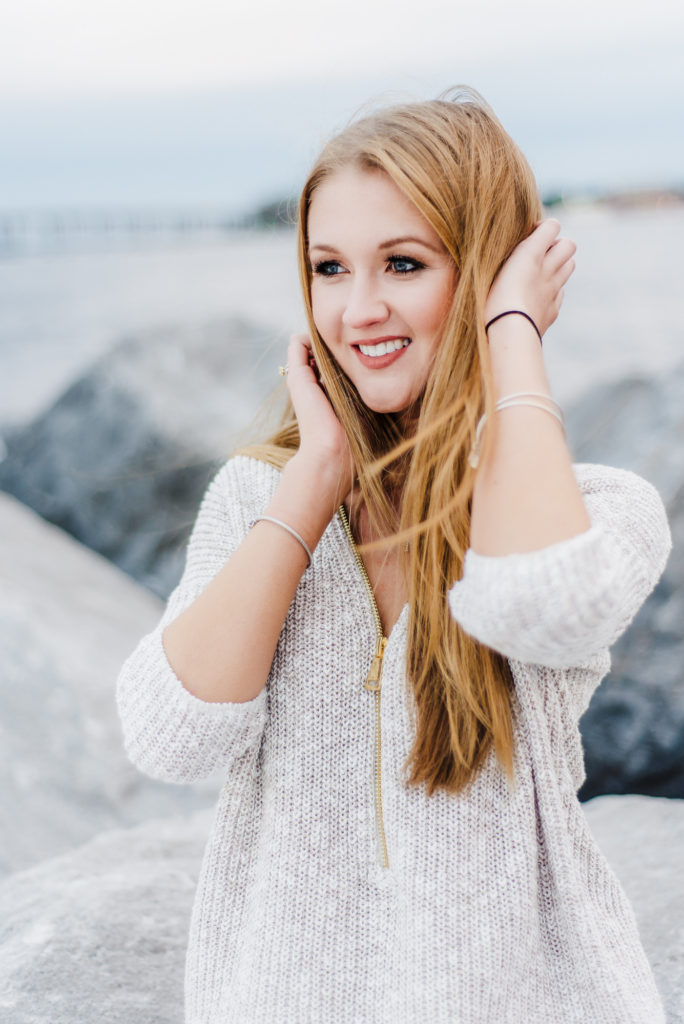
[121, 461]
[633, 730]
[122, 458]
[100, 934]
[68, 618]
[643, 839]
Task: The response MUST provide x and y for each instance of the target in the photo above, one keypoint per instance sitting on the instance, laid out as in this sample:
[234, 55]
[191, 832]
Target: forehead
[354, 200]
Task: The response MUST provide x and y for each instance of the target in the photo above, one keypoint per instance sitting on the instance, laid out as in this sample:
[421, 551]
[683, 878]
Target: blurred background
[135, 138]
[149, 155]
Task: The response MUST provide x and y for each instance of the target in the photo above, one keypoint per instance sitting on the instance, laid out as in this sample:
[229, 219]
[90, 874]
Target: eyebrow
[391, 243]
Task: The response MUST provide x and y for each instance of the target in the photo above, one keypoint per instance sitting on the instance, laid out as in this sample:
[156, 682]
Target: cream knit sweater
[496, 906]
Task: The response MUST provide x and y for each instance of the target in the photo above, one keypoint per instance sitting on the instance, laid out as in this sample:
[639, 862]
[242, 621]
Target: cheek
[427, 315]
[325, 312]
[439, 309]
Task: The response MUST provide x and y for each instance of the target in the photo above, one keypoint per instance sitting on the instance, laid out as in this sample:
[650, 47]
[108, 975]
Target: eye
[328, 268]
[404, 264]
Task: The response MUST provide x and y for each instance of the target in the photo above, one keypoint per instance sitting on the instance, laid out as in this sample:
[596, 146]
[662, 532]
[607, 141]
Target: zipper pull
[375, 670]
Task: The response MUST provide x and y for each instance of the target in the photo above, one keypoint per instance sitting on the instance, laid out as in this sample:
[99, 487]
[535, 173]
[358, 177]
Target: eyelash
[321, 269]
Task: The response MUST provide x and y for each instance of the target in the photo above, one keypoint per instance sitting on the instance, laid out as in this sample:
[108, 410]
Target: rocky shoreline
[99, 863]
[99, 934]
[120, 461]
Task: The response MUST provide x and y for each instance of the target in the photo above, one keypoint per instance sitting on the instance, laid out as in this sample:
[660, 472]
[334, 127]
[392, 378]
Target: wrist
[491, 319]
[306, 499]
[330, 474]
[516, 356]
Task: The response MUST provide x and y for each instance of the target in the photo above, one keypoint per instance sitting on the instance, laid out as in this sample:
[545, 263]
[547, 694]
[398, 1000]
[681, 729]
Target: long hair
[454, 161]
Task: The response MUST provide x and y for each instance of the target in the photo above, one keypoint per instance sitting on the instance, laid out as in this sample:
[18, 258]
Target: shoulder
[616, 484]
[627, 507]
[594, 478]
[246, 472]
[239, 491]
[242, 480]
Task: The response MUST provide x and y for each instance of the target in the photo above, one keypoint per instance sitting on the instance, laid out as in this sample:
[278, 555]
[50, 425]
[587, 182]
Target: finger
[298, 351]
[301, 363]
[546, 232]
[559, 252]
[564, 273]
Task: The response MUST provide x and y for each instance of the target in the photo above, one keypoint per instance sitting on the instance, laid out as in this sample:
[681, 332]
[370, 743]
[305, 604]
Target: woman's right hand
[221, 646]
[324, 448]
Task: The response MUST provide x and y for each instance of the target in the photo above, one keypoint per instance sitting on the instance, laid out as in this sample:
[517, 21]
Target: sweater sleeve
[566, 603]
[168, 732]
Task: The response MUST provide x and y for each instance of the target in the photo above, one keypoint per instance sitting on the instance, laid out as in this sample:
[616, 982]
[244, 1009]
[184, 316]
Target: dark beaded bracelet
[517, 312]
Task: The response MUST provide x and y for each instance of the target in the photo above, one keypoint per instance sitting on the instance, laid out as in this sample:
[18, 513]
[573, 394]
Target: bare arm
[525, 495]
[222, 646]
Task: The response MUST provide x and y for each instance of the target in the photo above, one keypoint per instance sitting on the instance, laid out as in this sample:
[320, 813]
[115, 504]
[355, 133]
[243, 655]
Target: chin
[387, 397]
[386, 406]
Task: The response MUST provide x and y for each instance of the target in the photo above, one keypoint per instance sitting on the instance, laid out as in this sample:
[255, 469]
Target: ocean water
[62, 306]
[60, 309]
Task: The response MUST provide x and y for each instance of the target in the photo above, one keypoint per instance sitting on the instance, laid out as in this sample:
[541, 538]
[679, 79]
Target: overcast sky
[88, 87]
[132, 45]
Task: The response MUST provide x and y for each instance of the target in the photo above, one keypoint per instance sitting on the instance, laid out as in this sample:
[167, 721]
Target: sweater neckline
[350, 557]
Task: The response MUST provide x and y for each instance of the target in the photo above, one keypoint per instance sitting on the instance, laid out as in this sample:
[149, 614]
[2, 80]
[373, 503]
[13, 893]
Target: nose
[365, 304]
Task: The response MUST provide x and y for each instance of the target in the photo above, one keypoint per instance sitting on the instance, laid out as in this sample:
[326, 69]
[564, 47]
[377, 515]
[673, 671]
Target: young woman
[392, 617]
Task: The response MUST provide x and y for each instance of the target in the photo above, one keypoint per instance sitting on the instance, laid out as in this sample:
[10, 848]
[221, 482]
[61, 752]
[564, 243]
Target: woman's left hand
[533, 276]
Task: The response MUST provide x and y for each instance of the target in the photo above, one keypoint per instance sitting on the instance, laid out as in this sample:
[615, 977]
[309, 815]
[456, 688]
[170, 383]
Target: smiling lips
[378, 354]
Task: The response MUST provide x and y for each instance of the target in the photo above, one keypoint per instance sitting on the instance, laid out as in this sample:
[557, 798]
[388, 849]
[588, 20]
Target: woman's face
[382, 284]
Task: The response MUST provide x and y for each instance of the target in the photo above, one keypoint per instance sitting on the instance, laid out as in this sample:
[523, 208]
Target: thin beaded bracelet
[290, 530]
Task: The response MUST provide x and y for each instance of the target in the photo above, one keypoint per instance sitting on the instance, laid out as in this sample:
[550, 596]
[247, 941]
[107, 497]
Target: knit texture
[496, 907]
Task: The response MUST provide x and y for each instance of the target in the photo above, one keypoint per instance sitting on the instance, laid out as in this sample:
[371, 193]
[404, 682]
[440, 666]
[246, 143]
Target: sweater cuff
[558, 606]
[170, 733]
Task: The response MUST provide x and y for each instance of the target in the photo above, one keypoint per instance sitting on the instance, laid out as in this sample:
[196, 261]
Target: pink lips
[379, 362]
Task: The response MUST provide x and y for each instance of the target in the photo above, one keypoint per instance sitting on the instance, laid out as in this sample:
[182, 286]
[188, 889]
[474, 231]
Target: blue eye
[404, 264]
[328, 268]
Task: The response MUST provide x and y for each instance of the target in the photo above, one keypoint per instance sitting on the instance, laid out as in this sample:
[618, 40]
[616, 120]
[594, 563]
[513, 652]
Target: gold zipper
[373, 684]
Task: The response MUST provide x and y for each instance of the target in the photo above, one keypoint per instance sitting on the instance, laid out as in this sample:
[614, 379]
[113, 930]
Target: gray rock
[68, 619]
[636, 423]
[121, 460]
[99, 934]
[633, 731]
[643, 839]
[123, 457]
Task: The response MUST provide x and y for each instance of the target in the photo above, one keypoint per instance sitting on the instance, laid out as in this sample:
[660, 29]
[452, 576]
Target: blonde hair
[454, 161]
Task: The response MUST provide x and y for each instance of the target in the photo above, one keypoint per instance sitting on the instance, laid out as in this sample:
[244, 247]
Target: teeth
[384, 347]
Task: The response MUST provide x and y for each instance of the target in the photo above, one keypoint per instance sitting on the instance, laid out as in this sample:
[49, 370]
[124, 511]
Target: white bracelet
[508, 402]
[511, 403]
[293, 533]
[515, 399]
